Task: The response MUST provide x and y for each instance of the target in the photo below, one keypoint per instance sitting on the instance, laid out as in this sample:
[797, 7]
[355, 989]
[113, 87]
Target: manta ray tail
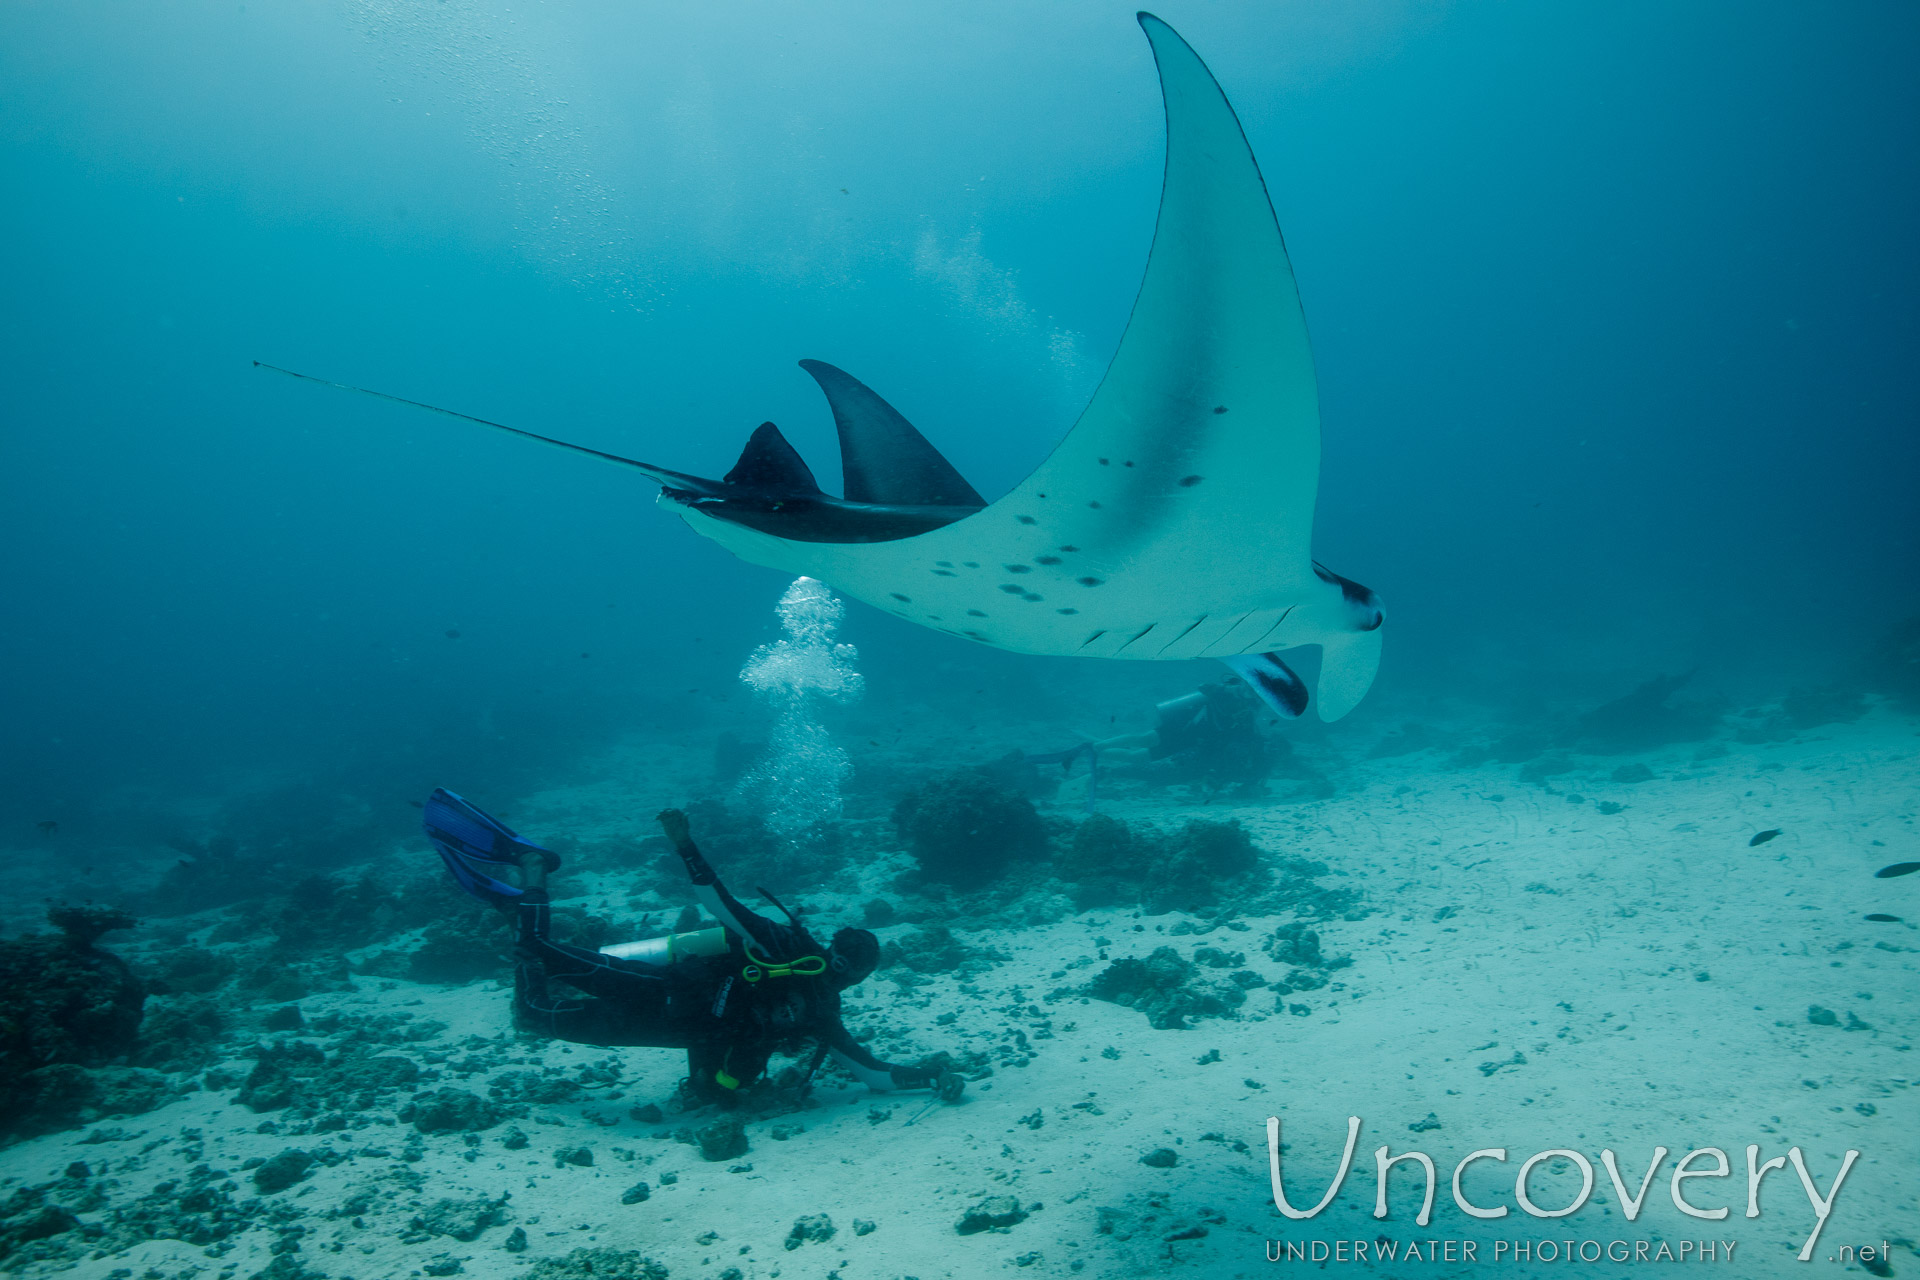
[883, 458]
[769, 462]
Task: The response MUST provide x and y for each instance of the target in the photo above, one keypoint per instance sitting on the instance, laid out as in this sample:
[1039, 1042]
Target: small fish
[1897, 869]
[1763, 837]
[1880, 917]
[48, 828]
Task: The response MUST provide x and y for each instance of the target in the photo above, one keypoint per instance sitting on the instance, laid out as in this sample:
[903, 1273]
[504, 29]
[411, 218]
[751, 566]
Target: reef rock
[991, 1214]
[65, 1006]
[597, 1264]
[1169, 989]
[965, 831]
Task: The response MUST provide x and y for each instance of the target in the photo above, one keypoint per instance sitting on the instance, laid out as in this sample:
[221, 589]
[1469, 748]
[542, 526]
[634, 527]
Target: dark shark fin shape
[769, 462]
[883, 458]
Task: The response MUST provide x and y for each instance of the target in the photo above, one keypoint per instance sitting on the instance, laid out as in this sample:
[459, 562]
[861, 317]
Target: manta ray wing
[1175, 519]
[883, 459]
[1199, 454]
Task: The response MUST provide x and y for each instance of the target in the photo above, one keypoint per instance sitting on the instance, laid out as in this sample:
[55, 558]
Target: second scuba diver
[1212, 733]
[730, 996]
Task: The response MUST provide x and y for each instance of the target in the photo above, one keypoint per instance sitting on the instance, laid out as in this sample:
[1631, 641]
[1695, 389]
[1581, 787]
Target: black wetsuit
[707, 1005]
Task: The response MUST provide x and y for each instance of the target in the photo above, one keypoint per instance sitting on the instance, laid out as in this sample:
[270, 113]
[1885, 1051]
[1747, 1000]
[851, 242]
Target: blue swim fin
[473, 844]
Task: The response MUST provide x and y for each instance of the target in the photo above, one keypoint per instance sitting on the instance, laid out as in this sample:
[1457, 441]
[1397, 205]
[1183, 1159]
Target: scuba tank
[672, 947]
[1181, 713]
[675, 947]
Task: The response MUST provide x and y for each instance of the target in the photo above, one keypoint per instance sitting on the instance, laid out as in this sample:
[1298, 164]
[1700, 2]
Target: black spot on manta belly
[1017, 568]
[1105, 463]
[1032, 596]
[1013, 588]
[1026, 520]
[1094, 505]
[944, 564]
[1069, 548]
[1046, 559]
[945, 573]
[1187, 482]
[975, 613]
[1066, 611]
[971, 564]
[1089, 582]
[902, 599]
[1219, 408]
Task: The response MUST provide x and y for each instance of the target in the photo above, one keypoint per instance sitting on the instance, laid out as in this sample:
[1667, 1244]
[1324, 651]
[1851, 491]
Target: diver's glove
[674, 823]
[913, 1077]
[680, 832]
[935, 1073]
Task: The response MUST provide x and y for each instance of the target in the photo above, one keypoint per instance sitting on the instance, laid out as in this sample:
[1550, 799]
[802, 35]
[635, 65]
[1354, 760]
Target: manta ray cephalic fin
[1348, 662]
[883, 459]
[1273, 680]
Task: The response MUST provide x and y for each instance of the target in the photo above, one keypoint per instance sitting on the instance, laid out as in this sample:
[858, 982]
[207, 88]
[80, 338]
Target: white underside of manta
[1174, 520]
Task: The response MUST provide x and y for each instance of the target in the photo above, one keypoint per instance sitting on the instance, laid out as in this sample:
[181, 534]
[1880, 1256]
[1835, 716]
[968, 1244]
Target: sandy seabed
[1535, 973]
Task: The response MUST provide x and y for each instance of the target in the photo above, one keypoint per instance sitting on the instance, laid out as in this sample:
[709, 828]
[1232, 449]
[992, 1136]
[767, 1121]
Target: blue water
[1612, 307]
[1612, 310]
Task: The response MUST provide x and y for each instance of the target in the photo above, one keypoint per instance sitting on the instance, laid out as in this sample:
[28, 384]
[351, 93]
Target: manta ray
[1173, 521]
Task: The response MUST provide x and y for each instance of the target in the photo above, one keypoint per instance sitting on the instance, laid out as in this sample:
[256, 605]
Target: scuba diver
[1212, 733]
[730, 996]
